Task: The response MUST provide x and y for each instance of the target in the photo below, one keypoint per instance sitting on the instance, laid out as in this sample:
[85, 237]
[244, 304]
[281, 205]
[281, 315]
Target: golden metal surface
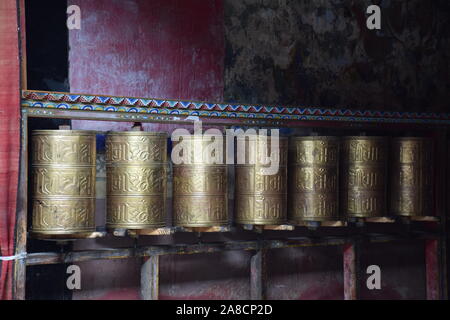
[63, 171]
[136, 148]
[363, 176]
[256, 148]
[200, 195]
[136, 178]
[199, 189]
[202, 150]
[63, 148]
[261, 199]
[412, 177]
[313, 185]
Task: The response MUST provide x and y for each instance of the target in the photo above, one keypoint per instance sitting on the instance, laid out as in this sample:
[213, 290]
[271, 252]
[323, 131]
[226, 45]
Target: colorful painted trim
[58, 100]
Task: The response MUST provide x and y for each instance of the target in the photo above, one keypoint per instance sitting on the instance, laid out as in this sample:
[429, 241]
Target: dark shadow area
[402, 270]
[47, 283]
[47, 45]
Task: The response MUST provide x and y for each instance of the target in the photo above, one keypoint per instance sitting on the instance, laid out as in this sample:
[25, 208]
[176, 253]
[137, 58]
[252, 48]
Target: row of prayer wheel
[318, 179]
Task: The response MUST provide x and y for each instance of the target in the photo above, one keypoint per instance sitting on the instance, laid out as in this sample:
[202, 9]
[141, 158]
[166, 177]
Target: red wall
[159, 48]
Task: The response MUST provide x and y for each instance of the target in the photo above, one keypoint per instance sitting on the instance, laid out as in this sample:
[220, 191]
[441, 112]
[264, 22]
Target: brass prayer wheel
[136, 179]
[363, 176]
[313, 185]
[63, 169]
[261, 195]
[199, 187]
[412, 176]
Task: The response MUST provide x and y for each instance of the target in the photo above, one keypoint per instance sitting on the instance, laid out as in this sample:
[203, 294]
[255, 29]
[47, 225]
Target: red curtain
[10, 137]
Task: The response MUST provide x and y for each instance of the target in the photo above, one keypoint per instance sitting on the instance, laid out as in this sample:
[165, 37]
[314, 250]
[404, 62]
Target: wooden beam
[351, 270]
[43, 258]
[22, 45]
[19, 266]
[125, 253]
[442, 197]
[150, 278]
[258, 275]
[436, 249]
[99, 111]
[432, 269]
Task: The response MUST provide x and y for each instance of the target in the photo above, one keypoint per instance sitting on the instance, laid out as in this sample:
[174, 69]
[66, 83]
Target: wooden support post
[19, 266]
[436, 249]
[150, 278]
[444, 173]
[351, 270]
[432, 269]
[258, 275]
[22, 46]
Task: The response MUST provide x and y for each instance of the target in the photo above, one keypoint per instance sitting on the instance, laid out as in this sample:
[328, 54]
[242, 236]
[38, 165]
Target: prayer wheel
[261, 192]
[412, 176]
[363, 176]
[199, 185]
[136, 178]
[63, 169]
[313, 192]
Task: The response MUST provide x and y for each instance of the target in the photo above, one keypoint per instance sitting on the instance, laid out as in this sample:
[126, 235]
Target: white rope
[19, 256]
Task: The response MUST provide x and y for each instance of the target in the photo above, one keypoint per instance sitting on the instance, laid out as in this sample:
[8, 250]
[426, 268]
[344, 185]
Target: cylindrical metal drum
[313, 187]
[63, 168]
[261, 187]
[199, 185]
[412, 176]
[363, 176]
[136, 177]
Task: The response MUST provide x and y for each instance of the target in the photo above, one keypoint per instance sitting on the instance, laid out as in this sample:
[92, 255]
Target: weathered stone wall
[320, 53]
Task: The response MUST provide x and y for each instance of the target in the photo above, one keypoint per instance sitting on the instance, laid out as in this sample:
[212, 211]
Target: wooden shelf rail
[42, 258]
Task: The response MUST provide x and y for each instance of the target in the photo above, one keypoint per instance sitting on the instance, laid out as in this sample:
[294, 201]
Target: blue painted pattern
[52, 100]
